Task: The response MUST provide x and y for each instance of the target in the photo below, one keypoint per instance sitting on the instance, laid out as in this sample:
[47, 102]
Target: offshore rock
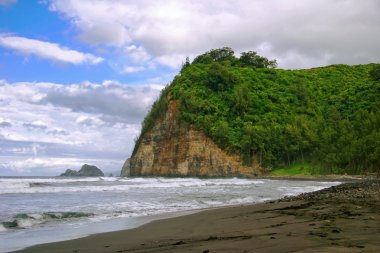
[173, 150]
[69, 173]
[85, 171]
[90, 171]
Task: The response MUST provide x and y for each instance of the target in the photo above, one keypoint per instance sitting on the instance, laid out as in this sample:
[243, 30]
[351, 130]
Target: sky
[78, 77]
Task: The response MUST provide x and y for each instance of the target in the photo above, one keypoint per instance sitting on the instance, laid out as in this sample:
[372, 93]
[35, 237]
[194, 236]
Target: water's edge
[122, 203]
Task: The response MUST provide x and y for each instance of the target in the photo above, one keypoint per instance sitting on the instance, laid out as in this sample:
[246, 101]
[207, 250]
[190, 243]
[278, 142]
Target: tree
[219, 78]
[216, 55]
[241, 99]
[375, 73]
[220, 132]
[186, 64]
[252, 59]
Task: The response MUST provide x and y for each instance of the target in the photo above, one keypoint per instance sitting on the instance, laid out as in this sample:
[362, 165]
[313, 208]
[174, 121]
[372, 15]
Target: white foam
[246, 200]
[54, 185]
[296, 190]
[36, 216]
[26, 223]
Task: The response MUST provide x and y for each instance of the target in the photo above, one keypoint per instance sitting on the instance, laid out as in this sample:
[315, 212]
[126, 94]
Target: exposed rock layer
[126, 169]
[170, 149]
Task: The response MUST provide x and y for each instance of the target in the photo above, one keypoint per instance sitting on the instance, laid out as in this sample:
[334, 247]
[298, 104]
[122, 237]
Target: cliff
[172, 149]
[126, 169]
[227, 116]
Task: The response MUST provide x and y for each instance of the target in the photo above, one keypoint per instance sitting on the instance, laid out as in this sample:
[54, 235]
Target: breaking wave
[26, 220]
[101, 184]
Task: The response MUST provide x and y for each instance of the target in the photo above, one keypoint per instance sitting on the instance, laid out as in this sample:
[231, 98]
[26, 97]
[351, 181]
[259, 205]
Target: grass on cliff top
[295, 169]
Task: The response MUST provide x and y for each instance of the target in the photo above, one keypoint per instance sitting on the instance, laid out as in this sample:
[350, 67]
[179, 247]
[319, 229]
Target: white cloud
[131, 69]
[83, 121]
[137, 54]
[54, 166]
[322, 31]
[38, 124]
[90, 121]
[99, 22]
[172, 60]
[47, 50]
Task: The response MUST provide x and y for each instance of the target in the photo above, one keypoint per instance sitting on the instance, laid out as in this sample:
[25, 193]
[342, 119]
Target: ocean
[35, 210]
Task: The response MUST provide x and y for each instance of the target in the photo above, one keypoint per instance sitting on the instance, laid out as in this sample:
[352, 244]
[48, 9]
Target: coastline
[326, 178]
[344, 218]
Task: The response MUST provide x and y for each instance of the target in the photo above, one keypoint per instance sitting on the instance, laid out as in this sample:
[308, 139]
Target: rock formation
[126, 169]
[171, 149]
[70, 173]
[85, 171]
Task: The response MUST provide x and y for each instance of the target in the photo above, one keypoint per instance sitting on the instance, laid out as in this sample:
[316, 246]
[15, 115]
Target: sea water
[37, 210]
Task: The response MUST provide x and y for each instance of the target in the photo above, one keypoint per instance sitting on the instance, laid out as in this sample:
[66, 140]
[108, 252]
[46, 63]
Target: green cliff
[326, 118]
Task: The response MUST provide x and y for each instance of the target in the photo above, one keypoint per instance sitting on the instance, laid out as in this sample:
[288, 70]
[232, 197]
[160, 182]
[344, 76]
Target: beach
[343, 218]
[39, 210]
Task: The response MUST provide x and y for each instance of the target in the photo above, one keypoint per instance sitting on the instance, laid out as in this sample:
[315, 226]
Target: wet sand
[344, 218]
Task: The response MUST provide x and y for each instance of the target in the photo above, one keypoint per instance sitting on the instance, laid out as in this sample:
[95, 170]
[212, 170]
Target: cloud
[7, 2]
[35, 125]
[298, 33]
[4, 123]
[137, 54]
[54, 166]
[47, 50]
[85, 121]
[131, 69]
[121, 103]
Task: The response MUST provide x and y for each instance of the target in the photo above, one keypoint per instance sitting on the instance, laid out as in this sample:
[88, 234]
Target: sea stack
[85, 171]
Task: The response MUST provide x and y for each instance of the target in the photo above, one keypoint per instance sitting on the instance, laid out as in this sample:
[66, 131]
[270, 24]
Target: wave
[102, 184]
[296, 190]
[24, 220]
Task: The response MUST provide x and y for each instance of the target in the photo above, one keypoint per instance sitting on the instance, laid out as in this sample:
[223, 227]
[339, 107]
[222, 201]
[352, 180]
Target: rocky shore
[344, 218]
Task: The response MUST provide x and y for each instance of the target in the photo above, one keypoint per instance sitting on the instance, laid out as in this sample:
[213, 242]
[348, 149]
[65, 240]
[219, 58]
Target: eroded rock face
[169, 149]
[126, 170]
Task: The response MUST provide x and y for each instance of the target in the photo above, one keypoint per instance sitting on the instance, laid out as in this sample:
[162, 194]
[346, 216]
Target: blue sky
[34, 20]
[78, 77]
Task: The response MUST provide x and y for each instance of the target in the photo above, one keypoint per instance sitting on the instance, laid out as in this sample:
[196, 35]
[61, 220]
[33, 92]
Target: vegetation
[158, 108]
[326, 117]
[296, 169]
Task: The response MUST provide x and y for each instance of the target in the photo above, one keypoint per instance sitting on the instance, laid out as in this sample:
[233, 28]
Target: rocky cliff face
[169, 149]
[126, 169]
[85, 171]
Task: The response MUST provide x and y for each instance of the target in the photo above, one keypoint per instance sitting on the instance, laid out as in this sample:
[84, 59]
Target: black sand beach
[344, 218]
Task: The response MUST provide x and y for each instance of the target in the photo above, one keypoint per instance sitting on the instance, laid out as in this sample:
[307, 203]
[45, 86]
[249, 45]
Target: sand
[345, 218]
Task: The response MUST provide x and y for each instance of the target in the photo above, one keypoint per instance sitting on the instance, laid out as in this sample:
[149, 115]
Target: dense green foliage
[326, 116]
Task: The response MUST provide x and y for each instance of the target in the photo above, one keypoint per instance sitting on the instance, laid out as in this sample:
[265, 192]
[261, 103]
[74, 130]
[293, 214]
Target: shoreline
[327, 178]
[344, 218]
